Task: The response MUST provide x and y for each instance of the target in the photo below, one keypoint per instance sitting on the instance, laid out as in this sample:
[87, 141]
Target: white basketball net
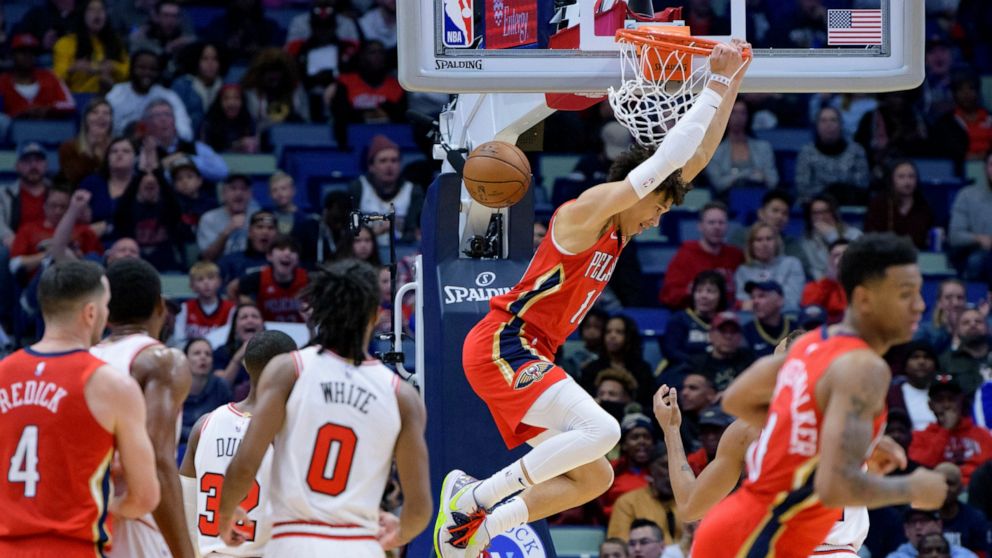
[649, 101]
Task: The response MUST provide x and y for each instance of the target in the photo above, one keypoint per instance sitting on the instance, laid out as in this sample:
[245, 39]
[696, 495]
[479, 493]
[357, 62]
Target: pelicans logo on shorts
[519, 542]
[532, 374]
[459, 24]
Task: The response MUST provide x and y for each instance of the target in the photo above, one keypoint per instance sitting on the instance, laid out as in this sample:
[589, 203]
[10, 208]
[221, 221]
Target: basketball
[497, 174]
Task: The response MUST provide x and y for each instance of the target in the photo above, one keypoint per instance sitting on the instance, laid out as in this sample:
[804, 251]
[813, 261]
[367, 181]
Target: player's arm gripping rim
[274, 387]
[695, 496]
[854, 387]
[187, 478]
[166, 378]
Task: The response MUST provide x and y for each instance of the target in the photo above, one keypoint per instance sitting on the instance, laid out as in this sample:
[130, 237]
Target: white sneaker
[458, 517]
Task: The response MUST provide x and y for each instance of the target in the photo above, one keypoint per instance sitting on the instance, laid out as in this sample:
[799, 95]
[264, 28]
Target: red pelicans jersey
[199, 323]
[508, 357]
[54, 457]
[278, 303]
[777, 511]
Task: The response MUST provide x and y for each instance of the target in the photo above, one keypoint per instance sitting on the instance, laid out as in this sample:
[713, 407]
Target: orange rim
[648, 36]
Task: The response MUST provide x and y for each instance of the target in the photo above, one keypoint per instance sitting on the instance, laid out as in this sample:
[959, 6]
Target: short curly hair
[673, 187]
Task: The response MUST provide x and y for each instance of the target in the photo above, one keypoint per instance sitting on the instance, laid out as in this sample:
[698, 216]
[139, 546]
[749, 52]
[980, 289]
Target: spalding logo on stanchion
[519, 542]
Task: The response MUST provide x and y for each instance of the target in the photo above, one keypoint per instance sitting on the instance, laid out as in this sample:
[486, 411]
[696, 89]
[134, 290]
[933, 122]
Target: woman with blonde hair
[764, 260]
[82, 155]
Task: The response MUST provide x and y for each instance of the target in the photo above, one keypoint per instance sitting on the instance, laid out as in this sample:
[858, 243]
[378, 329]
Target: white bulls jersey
[132, 538]
[220, 437]
[333, 456]
[847, 535]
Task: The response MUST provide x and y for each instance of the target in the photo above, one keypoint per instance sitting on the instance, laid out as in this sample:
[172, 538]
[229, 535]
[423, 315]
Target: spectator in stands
[130, 99]
[630, 470]
[980, 491]
[969, 360]
[540, 231]
[741, 159]
[827, 292]
[615, 389]
[83, 155]
[774, 210]
[899, 427]
[920, 526]
[622, 348]
[207, 391]
[243, 30]
[362, 246]
[164, 144]
[970, 234]
[831, 162]
[49, 21]
[149, 213]
[164, 32]
[591, 334]
[852, 107]
[965, 133]
[936, 98]
[912, 391]
[951, 301]
[382, 187]
[228, 126]
[805, 26]
[646, 539]
[954, 437]
[320, 14]
[765, 261]
[27, 91]
[23, 201]
[823, 227]
[323, 56]
[282, 191]
[273, 93]
[368, 95]
[712, 423]
[613, 548]
[696, 394]
[973, 18]
[320, 239]
[32, 241]
[379, 23]
[963, 524]
[121, 248]
[894, 130]
[206, 312]
[117, 171]
[246, 322]
[901, 208]
[934, 545]
[595, 167]
[93, 58]
[769, 326]
[727, 356]
[654, 502]
[261, 233]
[203, 68]
[710, 252]
[687, 331]
[225, 230]
[194, 200]
[276, 287]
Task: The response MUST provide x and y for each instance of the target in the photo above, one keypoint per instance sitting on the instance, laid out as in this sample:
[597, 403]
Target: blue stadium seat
[688, 230]
[283, 16]
[744, 201]
[786, 139]
[300, 135]
[651, 321]
[201, 16]
[359, 135]
[936, 170]
[82, 99]
[655, 257]
[941, 197]
[577, 542]
[306, 163]
[48, 132]
[566, 189]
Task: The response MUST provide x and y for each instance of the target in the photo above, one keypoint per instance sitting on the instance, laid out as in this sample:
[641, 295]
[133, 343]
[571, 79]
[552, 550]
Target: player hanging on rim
[508, 356]
[821, 407]
[335, 418]
[695, 495]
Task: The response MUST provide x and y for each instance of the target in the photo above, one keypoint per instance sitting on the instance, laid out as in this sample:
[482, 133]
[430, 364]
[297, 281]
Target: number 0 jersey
[331, 460]
[220, 437]
[54, 455]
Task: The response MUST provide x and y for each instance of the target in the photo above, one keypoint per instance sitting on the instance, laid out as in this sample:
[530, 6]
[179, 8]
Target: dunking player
[335, 418]
[694, 496]
[212, 443]
[508, 355]
[64, 413]
[822, 406]
[137, 312]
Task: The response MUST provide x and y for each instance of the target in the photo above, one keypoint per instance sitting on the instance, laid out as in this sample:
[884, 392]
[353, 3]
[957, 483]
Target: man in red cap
[382, 186]
[31, 92]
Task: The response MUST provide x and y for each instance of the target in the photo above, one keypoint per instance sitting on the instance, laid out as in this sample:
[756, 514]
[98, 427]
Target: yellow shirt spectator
[93, 75]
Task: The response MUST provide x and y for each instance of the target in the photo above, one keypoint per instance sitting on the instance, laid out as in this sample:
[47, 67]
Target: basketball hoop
[658, 80]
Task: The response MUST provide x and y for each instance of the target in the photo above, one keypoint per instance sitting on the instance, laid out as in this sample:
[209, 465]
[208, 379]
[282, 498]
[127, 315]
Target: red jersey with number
[279, 303]
[777, 511]
[54, 456]
[199, 323]
[557, 289]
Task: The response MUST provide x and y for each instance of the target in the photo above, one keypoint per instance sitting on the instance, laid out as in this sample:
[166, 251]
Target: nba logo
[459, 24]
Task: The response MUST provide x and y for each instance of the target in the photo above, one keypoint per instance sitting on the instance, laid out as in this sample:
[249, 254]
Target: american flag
[854, 27]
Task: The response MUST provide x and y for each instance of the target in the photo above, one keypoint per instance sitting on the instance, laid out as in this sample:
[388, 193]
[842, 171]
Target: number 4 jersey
[332, 458]
[220, 437]
[54, 456]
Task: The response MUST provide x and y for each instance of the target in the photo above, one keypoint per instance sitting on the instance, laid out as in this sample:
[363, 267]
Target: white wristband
[720, 79]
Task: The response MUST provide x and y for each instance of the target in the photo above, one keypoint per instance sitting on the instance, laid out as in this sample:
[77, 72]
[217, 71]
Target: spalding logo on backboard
[519, 542]
[459, 24]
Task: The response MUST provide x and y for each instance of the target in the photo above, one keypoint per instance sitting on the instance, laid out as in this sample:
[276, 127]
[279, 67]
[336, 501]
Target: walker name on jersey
[456, 295]
[803, 430]
[601, 267]
[345, 393]
[32, 392]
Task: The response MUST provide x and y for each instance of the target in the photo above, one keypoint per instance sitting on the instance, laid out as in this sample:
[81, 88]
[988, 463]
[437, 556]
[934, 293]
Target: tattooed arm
[852, 393]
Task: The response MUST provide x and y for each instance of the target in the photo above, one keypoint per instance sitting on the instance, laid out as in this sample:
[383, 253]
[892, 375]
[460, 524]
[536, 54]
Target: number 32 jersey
[333, 456]
[220, 437]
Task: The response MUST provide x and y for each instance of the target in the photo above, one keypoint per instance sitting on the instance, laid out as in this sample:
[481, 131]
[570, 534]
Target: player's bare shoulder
[162, 364]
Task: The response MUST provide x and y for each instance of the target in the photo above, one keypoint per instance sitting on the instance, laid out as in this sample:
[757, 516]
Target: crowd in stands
[162, 98]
